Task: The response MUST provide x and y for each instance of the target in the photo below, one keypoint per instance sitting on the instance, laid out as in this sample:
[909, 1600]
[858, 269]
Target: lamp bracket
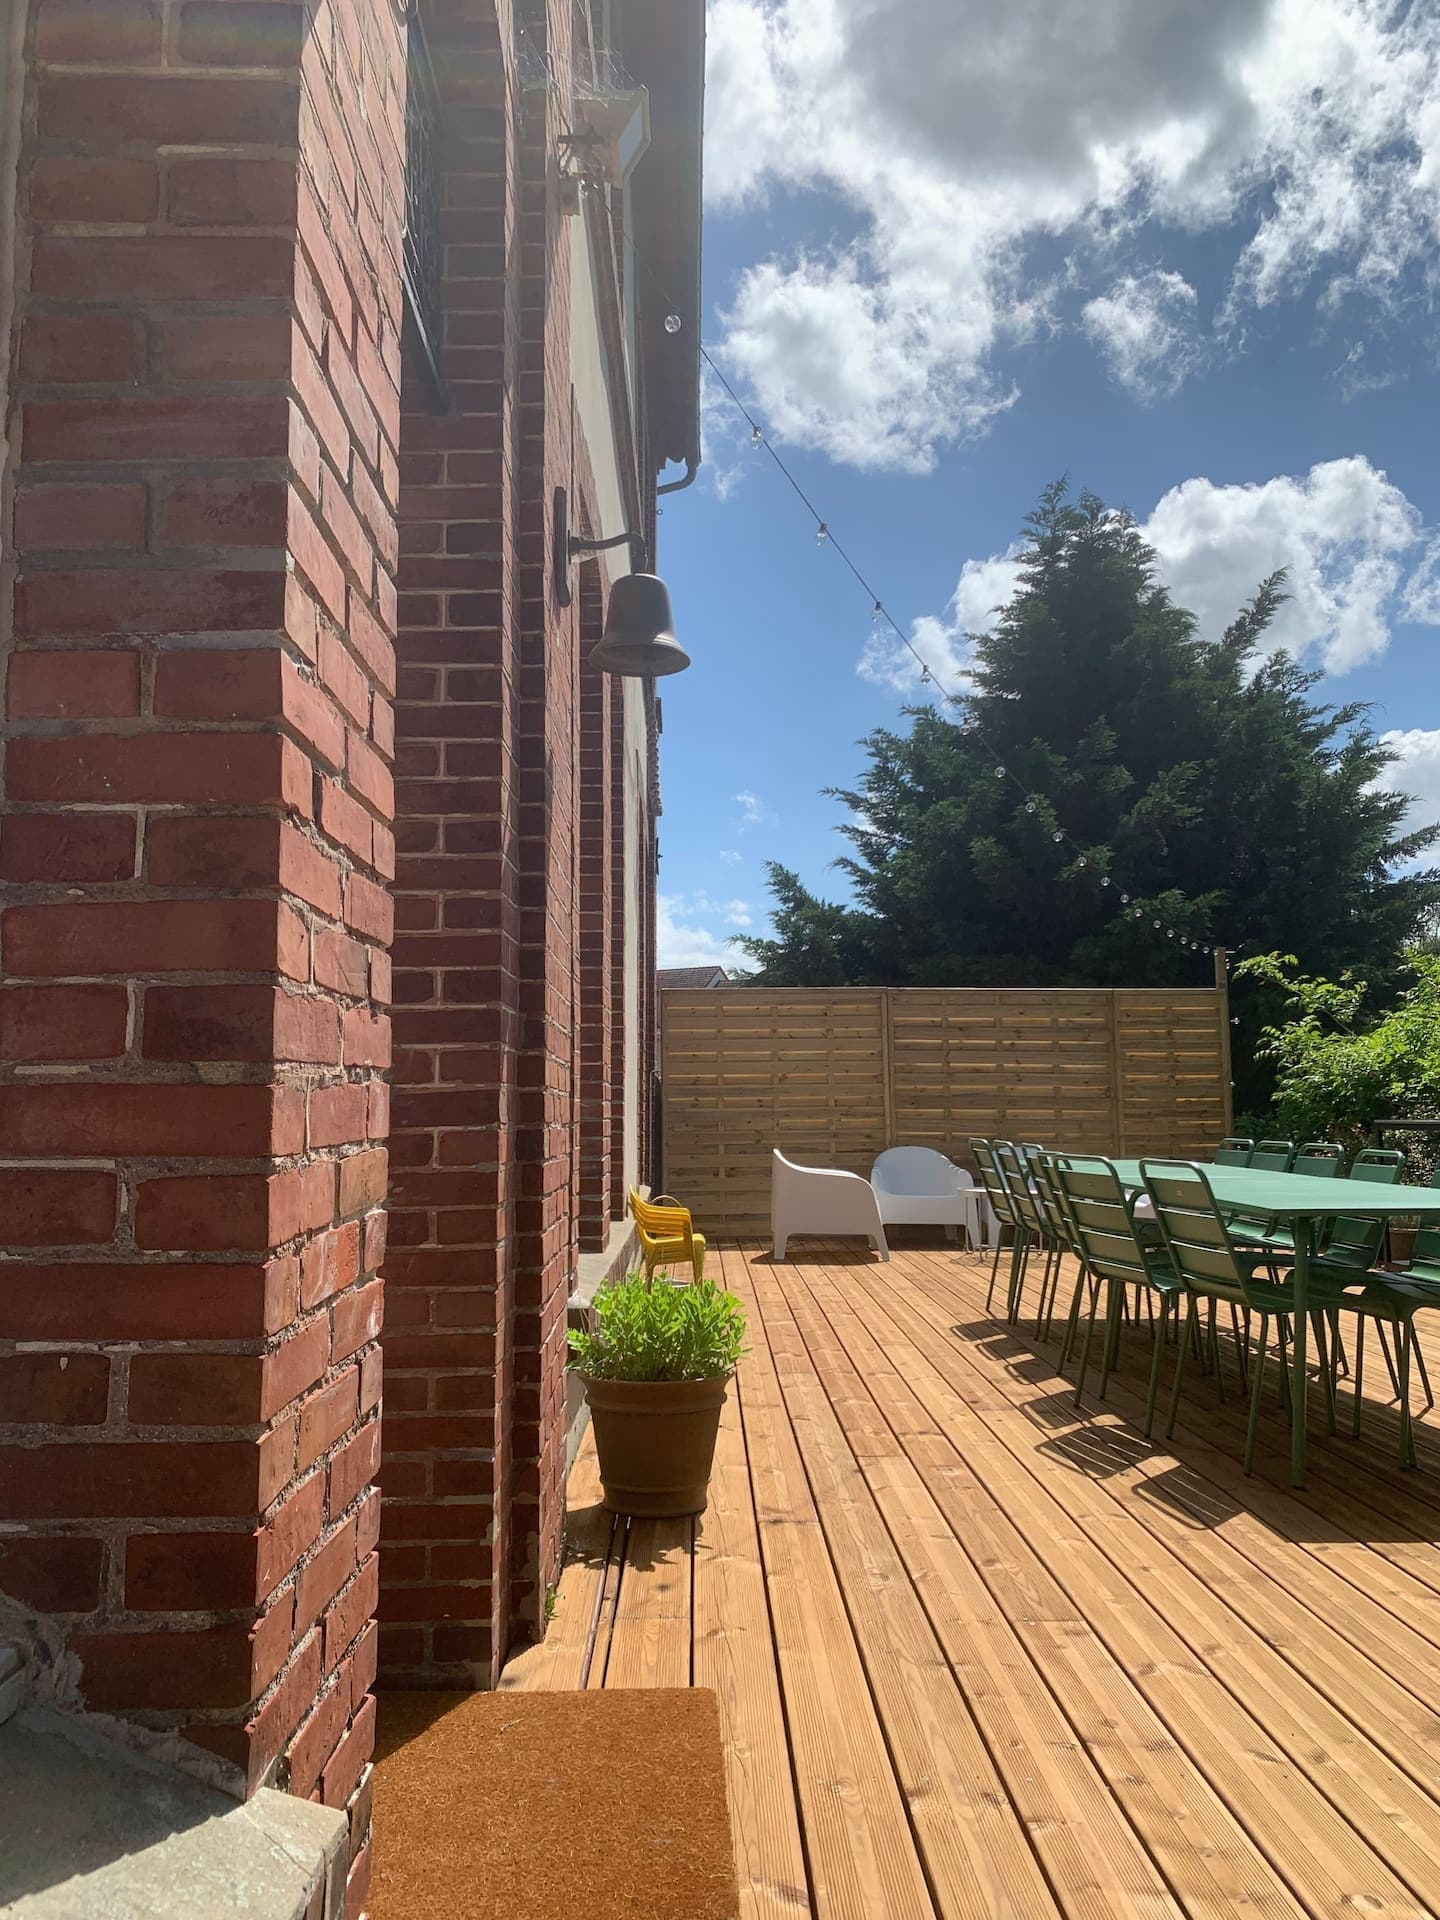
[565, 546]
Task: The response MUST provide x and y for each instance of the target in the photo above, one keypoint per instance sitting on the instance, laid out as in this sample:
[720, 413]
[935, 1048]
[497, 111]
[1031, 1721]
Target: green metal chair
[1233, 1152]
[1213, 1267]
[1013, 1171]
[1059, 1234]
[1001, 1205]
[1111, 1252]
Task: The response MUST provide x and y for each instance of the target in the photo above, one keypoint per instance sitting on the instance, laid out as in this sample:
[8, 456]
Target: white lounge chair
[918, 1187]
[821, 1200]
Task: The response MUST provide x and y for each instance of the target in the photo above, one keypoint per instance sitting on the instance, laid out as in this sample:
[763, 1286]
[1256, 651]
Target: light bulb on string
[999, 773]
[1156, 925]
[673, 323]
[1057, 836]
[877, 615]
[1104, 879]
[1124, 899]
[1081, 861]
[757, 438]
[822, 534]
[1030, 806]
[924, 676]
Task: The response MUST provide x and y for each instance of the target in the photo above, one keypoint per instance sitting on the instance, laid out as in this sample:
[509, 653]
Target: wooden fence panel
[833, 1076]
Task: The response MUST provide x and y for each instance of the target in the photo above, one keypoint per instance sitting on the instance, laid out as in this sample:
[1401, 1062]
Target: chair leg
[1072, 1319]
[1389, 1363]
[1282, 1329]
[1085, 1345]
[1241, 1342]
[1252, 1424]
[1357, 1379]
[994, 1269]
[1213, 1343]
[1424, 1376]
[1407, 1437]
[1160, 1333]
[1192, 1319]
[1322, 1357]
[1114, 1306]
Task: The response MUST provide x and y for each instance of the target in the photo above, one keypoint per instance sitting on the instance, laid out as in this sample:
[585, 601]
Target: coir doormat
[543, 1806]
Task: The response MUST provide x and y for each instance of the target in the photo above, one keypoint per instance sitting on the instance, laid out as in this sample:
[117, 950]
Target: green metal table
[1302, 1203]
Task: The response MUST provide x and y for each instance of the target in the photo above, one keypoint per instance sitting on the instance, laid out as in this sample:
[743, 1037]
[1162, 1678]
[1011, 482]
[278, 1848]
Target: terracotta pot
[655, 1440]
[1402, 1245]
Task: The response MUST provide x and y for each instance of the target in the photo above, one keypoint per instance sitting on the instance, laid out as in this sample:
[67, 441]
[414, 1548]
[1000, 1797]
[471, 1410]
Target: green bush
[661, 1332]
[1340, 1068]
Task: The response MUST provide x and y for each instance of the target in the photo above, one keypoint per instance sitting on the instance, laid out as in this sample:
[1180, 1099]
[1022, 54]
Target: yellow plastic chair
[667, 1234]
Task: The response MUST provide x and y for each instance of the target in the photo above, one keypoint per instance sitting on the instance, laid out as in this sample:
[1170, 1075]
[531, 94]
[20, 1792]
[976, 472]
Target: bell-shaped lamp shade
[638, 641]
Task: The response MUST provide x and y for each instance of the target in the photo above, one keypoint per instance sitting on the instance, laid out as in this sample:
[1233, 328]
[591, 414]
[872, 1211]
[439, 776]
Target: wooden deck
[980, 1654]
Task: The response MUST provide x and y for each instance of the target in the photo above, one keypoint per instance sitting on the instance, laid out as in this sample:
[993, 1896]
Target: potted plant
[655, 1370]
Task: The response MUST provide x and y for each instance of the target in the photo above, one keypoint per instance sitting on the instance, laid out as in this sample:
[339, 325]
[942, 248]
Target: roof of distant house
[693, 977]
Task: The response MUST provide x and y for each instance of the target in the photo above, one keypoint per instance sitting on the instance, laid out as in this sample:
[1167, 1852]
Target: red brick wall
[196, 849]
[503, 887]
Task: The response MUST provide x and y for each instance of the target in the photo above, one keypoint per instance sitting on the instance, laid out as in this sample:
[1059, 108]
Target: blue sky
[1203, 288]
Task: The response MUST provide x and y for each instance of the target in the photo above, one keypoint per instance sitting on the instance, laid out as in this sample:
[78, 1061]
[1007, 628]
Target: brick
[216, 1213]
[57, 1207]
[366, 1038]
[349, 1618]
[315, 558]
[342, 1772]
[228, 346]
[195, 1389]
[339, 963]
[338, 1114]
[62, 1023]
[180, 1121]
[79, 1480]
[134, 1671]
[180, 110]
[345, 820]
[163, 426]
[190, 1572]
[215, 769]
[54, 1576]
[75, 518]
[305, 869]
[54, 1389]
[369, 776]
[122, 30]
[189, 851]
[119, 1301]
[224, 511]
[149, 936]
[220, 33]
[362, 1181]
[324, 1574]
[326, 1415]
[295, 1366]
[353, 1467]
[231, 192]
[94, 685]
[54, 605]
[368, 909]
[66, 187]
[291, 1530]
[358, 1315]
[319, 1734]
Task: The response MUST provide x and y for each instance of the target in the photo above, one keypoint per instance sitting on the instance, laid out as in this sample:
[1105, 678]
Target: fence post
[1222, 1000]
[887, 1061]
[1117, 1079]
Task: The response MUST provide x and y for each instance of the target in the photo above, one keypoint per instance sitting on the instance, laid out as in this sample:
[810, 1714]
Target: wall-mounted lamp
[639, 641]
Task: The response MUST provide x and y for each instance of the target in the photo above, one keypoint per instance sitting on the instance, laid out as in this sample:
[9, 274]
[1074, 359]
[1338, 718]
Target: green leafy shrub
[1340, 1068]
[661, 1332]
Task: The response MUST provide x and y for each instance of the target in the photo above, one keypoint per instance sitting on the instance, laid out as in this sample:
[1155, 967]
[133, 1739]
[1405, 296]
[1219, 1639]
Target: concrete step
[91, 1831]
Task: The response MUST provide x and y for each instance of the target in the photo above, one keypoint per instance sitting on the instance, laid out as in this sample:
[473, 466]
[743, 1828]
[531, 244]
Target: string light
[757, 438]
[673, 323]
[822, 534]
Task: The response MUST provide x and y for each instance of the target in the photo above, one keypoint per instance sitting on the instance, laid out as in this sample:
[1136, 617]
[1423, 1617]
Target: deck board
[981, 1653]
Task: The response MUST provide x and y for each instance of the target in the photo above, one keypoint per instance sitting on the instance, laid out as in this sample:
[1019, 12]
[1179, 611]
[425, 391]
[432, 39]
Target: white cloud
[951, 146]
[684, 940]
[683, 943]
[753, 811]
[731, 856]
[1145, 327]
[1357, 551]
[1417, 772]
